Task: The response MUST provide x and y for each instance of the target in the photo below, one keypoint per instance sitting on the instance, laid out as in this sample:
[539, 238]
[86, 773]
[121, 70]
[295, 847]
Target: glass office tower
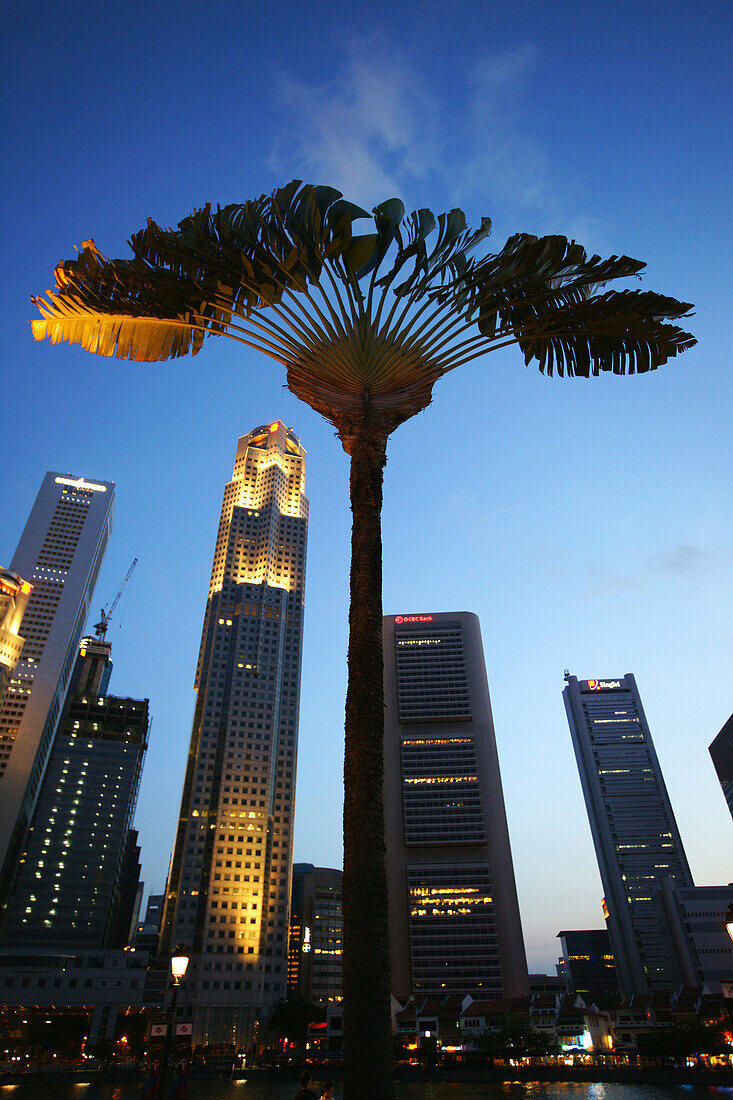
[77, 878]
[634, 831]
[316, 931]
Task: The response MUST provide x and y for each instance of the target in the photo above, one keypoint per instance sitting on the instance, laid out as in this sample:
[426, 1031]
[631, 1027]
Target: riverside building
[59, 553]
[228, 890]
[634, 831]
[454, 924]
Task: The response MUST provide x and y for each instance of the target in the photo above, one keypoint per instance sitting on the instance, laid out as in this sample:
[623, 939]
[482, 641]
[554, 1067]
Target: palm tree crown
[286, 274]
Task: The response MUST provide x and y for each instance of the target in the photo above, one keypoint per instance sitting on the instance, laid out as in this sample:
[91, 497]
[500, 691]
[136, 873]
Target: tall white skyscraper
[59, 553]
[454, 924]
[634, 831]
[228, 889]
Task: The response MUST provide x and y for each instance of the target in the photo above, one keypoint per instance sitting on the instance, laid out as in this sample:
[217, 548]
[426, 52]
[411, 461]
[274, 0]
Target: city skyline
[587, 524]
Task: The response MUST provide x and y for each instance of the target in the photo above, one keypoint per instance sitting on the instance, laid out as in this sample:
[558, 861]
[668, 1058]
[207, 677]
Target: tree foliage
[365, 323]
[514, 1039]
[682, 1041]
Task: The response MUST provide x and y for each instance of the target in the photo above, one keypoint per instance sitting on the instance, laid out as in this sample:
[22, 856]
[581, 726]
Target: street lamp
[179, 966]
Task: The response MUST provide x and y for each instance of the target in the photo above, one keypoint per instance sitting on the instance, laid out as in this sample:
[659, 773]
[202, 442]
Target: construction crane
[100, 628]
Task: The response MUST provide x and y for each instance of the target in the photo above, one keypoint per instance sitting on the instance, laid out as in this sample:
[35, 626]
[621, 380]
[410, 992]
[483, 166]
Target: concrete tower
[634, 831]
[228, 888]
[454, 923]
[59, 553]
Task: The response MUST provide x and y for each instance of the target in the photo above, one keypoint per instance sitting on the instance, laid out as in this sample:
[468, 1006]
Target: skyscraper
[59, 553]
[316, 930]
[228, 888]
[634, 831]
[586, 965]
[721, 752]
[76, 880]
[454, 923]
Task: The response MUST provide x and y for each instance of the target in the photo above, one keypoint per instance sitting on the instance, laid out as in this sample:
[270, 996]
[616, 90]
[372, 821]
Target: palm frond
[541, 272]
[625, 332]
[360, 320]
[145, 339]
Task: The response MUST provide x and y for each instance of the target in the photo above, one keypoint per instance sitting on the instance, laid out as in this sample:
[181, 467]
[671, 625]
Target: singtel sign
[601, 685]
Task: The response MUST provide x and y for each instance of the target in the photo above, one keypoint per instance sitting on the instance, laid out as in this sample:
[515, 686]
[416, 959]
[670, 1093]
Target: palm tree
[365, 324]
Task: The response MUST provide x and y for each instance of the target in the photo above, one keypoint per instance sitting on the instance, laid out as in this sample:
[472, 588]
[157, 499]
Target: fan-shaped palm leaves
[365, 323]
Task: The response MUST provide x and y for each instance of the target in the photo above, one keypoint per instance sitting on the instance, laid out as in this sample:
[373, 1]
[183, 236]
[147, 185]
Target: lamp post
[179, 965]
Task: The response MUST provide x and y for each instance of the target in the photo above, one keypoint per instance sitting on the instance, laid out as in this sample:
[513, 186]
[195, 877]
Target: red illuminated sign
[413, 619]
[602, 685]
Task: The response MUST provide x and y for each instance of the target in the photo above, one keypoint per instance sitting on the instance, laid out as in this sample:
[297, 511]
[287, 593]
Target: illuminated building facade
[228, 889]
[454, 924]
[14, 593]
[77, 876]
[316, 928]
[59, 553]
[634, 831]
[721, 751]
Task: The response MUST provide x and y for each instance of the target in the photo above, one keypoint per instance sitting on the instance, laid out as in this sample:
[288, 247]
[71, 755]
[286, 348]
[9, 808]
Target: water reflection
[244, 1089]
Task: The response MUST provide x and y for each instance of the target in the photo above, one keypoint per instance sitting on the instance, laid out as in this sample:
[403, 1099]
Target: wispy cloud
[371, 130]
[682, 563]
[499, 156]
[683, 560]
[379, 127]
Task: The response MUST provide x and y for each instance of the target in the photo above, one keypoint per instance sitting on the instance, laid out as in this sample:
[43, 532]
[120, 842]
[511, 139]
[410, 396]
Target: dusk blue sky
[587, 523]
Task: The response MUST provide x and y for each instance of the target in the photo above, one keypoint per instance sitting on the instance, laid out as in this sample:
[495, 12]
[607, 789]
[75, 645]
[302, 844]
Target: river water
[442, 1090]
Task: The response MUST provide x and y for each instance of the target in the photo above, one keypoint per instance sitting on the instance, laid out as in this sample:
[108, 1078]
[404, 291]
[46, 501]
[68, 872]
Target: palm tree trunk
[368, 1061]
